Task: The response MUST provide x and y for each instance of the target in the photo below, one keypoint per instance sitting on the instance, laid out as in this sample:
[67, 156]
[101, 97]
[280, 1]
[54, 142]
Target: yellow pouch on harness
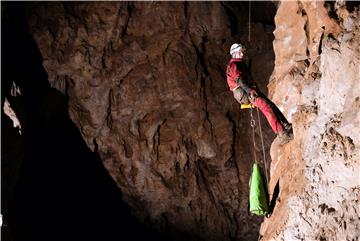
[246, 106]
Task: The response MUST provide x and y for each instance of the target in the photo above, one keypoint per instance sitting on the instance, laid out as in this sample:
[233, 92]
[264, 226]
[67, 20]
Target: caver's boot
[286, 135]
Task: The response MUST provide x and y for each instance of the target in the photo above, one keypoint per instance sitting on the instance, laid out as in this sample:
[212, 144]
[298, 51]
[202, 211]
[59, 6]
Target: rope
[249, 35]
[263, 148]
[252, 123]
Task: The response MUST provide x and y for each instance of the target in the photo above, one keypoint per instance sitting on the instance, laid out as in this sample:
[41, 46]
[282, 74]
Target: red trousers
[273, 115]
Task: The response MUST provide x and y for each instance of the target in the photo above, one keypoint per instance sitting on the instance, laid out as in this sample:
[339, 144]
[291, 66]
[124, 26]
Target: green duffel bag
[258, 192]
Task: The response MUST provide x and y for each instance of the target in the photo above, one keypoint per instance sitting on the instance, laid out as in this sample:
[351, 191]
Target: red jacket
[238, 75]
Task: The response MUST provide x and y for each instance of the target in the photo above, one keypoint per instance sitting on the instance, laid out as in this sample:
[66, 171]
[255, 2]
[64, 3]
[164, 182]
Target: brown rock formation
[146, 87]
[316, 83]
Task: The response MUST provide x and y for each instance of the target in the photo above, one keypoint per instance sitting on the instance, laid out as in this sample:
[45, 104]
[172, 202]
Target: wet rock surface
[315, 179]
[146, 86]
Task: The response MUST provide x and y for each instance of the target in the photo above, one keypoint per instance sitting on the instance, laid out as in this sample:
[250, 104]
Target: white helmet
[236, 48]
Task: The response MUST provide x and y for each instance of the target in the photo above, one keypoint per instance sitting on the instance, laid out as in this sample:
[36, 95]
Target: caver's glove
[253, 94]
[244, 85]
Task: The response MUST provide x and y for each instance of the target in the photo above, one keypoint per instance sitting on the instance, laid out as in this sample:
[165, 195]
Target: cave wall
[147, 92]
[53, 186]
[315, 179]
[145, 83]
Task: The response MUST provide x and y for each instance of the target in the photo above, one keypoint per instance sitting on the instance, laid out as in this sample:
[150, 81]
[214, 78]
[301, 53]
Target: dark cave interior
[63, 191]
[53, 186]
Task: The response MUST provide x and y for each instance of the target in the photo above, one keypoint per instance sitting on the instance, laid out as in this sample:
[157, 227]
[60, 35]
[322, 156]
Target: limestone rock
[315, 182]
[12, 115]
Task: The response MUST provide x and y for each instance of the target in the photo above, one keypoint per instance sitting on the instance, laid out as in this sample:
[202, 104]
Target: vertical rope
[249, 35]
[263, 148]
[252, 123]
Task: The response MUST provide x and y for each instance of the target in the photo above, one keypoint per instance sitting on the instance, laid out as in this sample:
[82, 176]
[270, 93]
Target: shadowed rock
[146, 87]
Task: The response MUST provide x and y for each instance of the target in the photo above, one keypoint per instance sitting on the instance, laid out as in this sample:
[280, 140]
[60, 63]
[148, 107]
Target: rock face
[146, 86]
[315, 179]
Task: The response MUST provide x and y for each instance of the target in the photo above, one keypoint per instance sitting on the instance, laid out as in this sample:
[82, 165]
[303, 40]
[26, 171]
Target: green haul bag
[258, 192]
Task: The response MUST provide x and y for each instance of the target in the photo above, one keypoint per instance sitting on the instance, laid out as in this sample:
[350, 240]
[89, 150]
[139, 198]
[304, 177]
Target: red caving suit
[241, 83]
